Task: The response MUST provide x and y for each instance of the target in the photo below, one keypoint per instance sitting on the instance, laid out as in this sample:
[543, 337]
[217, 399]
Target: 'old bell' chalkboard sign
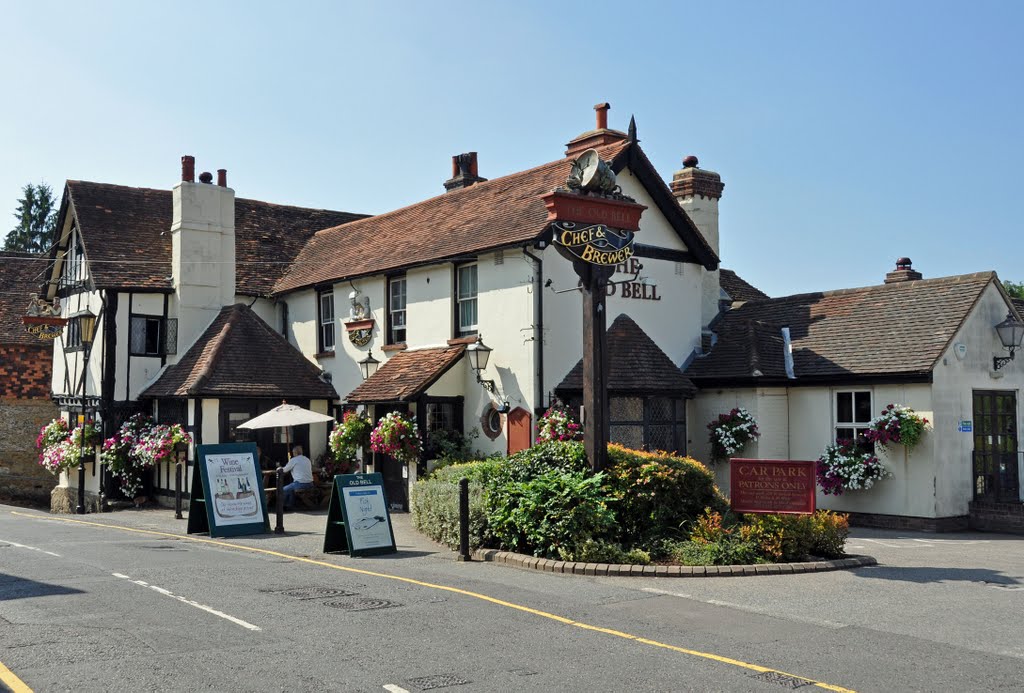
[358, 521]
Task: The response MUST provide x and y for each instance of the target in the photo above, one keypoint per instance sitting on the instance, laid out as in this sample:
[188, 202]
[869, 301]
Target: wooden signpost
[227, 498]
[772, 486]
[358, 521]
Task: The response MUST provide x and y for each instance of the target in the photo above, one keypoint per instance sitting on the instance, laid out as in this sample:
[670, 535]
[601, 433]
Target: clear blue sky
[847, 134]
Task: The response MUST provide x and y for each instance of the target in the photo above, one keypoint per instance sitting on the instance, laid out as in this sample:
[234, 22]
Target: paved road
[135, 606]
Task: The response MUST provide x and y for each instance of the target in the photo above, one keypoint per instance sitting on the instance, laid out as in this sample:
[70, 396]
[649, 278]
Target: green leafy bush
[435, 502]
[549, 515]
[829, 531]
[528, 464]
[657, 494]
[598, 551]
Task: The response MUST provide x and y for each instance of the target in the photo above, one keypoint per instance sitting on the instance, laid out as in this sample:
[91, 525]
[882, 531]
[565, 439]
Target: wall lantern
[1011, 332]
[479, 354]
[86, 325]
[368, 366]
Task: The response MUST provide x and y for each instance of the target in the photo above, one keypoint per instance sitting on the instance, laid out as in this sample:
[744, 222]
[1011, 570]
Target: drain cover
[316, 592]
[360, 605]
[426, 683]
[784, 680]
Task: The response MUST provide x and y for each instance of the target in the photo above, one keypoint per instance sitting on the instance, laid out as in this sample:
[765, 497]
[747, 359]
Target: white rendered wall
[954, 384]
[141, 371]
[703, 211]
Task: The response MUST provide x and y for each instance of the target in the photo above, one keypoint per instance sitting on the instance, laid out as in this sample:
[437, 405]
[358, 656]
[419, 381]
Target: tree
[1015, 289]
[36, 220]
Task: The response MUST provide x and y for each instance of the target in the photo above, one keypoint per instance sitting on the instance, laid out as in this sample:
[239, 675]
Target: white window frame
[854, 423]
[397, 316]
[325, 320]
[466, 329]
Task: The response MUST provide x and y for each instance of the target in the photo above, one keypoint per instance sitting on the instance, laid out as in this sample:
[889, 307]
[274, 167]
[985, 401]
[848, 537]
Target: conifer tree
[36, 220]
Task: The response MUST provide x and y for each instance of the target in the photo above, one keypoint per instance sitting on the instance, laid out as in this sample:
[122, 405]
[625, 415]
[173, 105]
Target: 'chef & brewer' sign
[771, 486]
[594, 243]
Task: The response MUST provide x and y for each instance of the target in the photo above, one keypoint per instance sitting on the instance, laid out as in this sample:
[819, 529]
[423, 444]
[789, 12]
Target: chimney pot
[473, 167]
[206, 177]
[690, 161]
[455, 165]
[903, 263]
[904, 272]
[188, 169]
[602, 115]
[222, 177]
[465, 172]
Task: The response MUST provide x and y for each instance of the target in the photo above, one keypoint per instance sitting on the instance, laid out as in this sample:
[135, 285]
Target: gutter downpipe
[539, 327]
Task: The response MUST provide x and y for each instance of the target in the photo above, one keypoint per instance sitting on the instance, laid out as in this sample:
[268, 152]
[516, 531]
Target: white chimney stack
[698, 192]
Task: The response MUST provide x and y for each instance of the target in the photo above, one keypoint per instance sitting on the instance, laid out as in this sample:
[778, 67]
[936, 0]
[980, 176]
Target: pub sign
[772, 486]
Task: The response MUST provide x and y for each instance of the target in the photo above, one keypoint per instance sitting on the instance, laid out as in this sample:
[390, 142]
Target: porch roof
[239, 355]
[407, 374]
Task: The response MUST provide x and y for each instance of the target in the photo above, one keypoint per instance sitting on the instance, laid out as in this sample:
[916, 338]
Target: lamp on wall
[479, 354]
[368, 366]
[87, 330]
[1011, 332]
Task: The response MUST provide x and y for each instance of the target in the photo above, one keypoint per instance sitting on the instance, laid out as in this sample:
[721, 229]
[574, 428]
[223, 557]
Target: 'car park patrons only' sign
[771, 486]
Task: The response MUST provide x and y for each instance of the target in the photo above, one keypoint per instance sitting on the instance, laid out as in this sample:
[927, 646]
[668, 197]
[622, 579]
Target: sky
[847, 134]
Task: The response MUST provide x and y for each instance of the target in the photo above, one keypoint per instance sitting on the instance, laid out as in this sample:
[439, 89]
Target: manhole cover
[360, 604]
[426, 683]
[784, 680]
[316, 592]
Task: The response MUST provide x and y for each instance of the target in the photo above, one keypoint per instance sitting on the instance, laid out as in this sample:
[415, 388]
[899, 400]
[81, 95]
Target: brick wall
[997, 517]
[25, 370]
[923, 524]
[20, 474]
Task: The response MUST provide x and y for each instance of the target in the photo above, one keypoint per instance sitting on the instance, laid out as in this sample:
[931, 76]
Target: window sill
[324, 355]
[401, 346]
[468, 339]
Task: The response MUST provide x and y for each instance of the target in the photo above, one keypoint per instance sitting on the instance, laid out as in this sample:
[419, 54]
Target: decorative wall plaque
[359, 331]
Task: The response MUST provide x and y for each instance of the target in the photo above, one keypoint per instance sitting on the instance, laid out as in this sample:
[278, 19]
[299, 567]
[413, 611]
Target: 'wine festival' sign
[228, 492]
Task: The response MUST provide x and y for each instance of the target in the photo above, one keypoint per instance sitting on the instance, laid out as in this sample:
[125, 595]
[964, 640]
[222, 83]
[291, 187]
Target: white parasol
[286, 415]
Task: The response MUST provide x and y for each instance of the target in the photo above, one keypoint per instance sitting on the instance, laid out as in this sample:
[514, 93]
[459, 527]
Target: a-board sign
[227, 497]
[358, 520]
[772, 486]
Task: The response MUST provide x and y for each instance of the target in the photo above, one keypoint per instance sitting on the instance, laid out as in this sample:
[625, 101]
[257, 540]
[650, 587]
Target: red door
[519, 430]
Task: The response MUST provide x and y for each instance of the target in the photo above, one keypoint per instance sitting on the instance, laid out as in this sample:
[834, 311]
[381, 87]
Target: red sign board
[772, 486]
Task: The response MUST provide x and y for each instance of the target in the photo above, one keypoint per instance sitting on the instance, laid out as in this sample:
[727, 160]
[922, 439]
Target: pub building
[460, 310]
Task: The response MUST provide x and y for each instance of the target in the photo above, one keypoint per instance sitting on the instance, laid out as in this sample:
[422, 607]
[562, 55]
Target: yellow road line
[447, 588]
[8, 678]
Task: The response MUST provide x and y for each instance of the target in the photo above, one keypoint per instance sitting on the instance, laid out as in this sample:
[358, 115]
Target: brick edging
[617, 570]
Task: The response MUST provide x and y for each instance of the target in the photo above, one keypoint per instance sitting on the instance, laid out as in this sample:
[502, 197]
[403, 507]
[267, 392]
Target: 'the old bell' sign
[772, 486]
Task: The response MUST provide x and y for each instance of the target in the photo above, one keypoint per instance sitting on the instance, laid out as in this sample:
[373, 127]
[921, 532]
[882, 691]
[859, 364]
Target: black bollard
[80, 509]
[464, 519]
[279, 529]
[177, 491]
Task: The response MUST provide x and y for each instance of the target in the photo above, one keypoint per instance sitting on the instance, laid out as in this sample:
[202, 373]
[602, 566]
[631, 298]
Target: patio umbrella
[286, 415]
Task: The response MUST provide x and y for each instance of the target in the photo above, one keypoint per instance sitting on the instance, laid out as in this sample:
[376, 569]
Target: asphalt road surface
[125, 602]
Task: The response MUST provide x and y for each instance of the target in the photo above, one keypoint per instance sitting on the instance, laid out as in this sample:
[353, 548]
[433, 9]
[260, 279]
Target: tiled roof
[737, 288]
[407, 374]
[1018, 303]
[128, 241]
[496, 213]
[239, 355]
[635, 364]
[891, 329]
[21, 276]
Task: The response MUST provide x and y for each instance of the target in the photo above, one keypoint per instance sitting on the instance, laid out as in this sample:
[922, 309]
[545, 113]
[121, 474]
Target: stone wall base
[64, 500]
[921, 524]
[989, 516]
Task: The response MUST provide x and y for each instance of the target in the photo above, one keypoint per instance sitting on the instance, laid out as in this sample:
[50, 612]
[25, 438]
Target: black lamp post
[479, 355]
[87, 330]
[1011, 332]
[368, 366]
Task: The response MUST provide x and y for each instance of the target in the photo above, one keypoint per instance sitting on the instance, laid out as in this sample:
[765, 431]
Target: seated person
[301, 468]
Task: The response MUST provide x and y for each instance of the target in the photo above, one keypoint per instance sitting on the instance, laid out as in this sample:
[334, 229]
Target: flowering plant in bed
[396, 435]
[897, 424]
[731, 432]
[844, 467]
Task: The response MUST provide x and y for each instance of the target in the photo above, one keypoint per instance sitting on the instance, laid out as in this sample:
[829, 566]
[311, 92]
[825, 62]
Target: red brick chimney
[601, 135]
[188, 169]
[222, 177]
[465, 172]
[904, 272]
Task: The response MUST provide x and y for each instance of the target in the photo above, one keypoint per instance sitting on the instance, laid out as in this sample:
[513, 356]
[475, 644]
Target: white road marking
[875, 541]
[183, 600]
[394, 689]
[30, 548]
[835, 625]
[953, 542]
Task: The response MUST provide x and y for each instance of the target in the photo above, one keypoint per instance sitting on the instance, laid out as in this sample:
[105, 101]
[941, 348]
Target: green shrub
[435, 503]
[829, 531]
[657, 494]
[530, 463]
[597, 551]
[550, 514]
[729, 550]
